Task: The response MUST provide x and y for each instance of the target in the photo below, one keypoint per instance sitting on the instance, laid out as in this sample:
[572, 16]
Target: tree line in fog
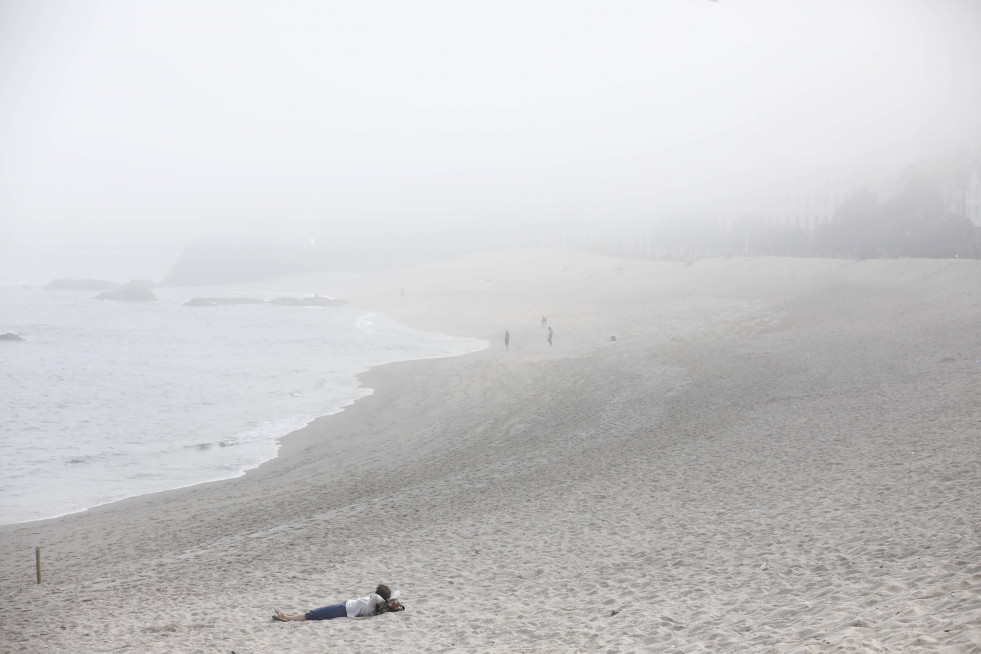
[913, 223]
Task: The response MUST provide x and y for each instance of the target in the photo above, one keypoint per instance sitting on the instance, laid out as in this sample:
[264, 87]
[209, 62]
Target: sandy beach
[742, 455]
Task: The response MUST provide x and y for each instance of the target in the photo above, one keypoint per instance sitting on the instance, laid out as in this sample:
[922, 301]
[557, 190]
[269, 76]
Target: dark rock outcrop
[10, 336]
[132, 292]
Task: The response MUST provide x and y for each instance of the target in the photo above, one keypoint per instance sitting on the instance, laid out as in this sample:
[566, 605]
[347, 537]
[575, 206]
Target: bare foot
[286, 617]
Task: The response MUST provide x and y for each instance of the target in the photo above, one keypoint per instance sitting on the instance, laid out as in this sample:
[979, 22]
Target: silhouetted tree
[852, 230]
[917, 212]
[944, 237]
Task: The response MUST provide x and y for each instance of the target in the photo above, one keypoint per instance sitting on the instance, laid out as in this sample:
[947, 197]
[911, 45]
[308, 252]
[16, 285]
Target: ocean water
[106, 400]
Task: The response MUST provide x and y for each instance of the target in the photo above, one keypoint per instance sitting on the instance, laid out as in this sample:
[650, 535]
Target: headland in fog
[736, 455]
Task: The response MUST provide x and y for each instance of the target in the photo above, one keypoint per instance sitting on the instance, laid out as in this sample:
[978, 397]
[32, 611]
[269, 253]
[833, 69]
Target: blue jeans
[328, 612]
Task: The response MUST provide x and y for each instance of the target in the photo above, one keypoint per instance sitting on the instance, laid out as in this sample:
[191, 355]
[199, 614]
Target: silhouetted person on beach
[544, 321]
[550, 337]
[381, 601]
[507, 340]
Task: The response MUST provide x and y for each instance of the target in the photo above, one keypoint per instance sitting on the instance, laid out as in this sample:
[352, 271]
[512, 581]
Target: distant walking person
[507, 340]
[550, 337]
[544, 321]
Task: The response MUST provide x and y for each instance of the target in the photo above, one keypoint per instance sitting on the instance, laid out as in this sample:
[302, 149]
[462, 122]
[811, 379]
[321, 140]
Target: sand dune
[774, 455]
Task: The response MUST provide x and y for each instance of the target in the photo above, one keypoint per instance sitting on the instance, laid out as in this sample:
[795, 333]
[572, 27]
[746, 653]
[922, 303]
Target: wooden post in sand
[37, 558]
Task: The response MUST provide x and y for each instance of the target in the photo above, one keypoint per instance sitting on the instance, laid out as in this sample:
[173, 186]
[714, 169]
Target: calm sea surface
[105, 400]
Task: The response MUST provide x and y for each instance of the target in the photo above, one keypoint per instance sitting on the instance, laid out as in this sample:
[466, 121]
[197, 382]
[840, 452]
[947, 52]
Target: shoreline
[388, 382]
[25, 506]
[315, 425]
[774, 455]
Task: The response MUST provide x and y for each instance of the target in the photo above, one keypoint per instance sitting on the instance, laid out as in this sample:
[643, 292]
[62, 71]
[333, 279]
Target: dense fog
[131, 130]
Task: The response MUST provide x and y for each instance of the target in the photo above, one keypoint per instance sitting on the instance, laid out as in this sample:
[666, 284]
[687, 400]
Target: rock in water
[131, 292]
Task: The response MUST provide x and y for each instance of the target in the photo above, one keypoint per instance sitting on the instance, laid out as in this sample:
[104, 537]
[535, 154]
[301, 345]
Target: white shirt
[363, 606]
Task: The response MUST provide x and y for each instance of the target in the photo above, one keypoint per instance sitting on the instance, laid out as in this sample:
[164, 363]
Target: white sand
[775, 455]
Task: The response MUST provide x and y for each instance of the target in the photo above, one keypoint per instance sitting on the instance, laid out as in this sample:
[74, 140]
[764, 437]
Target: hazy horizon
[128, 130]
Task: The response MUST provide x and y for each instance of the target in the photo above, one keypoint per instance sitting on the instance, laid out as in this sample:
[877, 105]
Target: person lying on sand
[382, 600]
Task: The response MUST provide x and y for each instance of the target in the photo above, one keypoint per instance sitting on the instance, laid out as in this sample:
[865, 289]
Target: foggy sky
[147, 125]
